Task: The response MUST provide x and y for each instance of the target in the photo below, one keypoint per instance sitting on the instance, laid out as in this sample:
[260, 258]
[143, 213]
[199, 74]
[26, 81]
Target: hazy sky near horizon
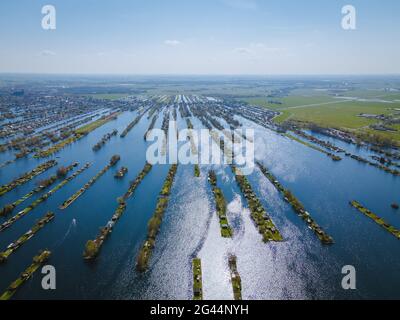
[200, 37]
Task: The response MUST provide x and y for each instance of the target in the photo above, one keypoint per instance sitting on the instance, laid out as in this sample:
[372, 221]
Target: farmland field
[336, 112]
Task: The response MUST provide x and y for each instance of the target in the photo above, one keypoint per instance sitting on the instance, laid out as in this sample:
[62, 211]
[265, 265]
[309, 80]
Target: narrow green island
[197, 280]
[225, 149]
[77, 135]
[114, 160]
[132, 125]
[235, 278]
[151, 126]
[156, 220]
[395, 232]
[8, 162]
[107, 137]
[333, 148]
[25, 237]
[196, 171]
[37, 262]
[307, 144]
[193, 147]
[26, 177]
[121, 173]
[226, 230]
[297, 206]
[93, 247]
[44, 184]
[43, 198]
[264, 223]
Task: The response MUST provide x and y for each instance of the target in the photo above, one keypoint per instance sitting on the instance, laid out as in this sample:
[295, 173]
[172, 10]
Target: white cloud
[47, 53]
[172, 43]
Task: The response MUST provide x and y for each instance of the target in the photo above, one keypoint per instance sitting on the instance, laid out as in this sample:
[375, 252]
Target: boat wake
[71, 227]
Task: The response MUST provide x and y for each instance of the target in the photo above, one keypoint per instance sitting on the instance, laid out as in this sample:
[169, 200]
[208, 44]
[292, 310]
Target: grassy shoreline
[37, 262]
[235, 278]
[77, 135]
[259, 215]
[43, 198]
[155, 222]
[297, 206]
[197, 279]
[26, 177]
[77, 194]
[7, 209]
[378, 220]
[26, 236]
[220, 205]
[92, 247]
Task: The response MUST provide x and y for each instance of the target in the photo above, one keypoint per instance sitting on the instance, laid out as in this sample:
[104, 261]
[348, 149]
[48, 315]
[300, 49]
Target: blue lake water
[298, 268]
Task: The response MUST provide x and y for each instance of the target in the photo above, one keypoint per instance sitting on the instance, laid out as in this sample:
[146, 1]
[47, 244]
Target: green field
[329, 112]
[338, 115]
[291, 101]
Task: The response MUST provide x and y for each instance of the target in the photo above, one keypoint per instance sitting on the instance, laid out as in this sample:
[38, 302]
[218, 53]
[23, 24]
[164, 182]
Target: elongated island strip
[193, 147]
[326, 145]
[307, 144]
[334, 148]
[121, 173]
[114, 160]
[189, 124]
[235, 278]
[297, 206]
[197, 171]
[165, 128]
[132, 124]
[151, 126]
[395, 232]
[220, 202]
[8, 162]
[37, 262]
[225, 148]
[107, 137]
[155, 222]
[380, 166]
[26, 177]
[197, 280]
[264, 223]
[43, 198]
[44, 184]
[93, 247]
[25, 237]
[77, 135]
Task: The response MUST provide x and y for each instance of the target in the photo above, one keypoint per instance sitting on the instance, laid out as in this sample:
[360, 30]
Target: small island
[378, 220]
[235, 278]
[155, 222]
[113, 161]
[197, 280]
[121, 173]
[220, 203]
[37, 262]
[259, 215]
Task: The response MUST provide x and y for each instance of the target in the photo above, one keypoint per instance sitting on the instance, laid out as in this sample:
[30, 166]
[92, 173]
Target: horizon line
[196, 74]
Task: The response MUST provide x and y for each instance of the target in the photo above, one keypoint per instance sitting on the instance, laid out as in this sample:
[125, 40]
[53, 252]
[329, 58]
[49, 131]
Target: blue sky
[200, 37]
